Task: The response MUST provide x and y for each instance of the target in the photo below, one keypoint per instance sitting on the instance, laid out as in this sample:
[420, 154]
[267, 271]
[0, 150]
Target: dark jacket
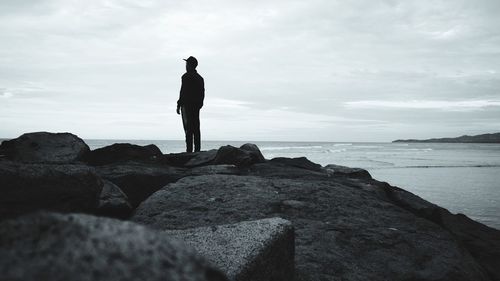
[192, 89]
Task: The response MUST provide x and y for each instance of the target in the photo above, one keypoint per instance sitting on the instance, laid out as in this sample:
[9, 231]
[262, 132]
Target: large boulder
[337, 170]
[251, 250]
[241, 157]
[202, 158]
[45, 147]
[139, 180]
[122, 152]
[65, 187]
[51, 246]
[299, 162]
[481, 241]
[113, 202]
[343, 230]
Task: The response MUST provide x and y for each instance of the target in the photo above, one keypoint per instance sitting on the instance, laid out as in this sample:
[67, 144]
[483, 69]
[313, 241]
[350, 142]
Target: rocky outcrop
[348, 226]
[337, 170]
[241, 157]
[113, 202]
[299, 162]
[44, 147]
[65, 188]
[122, 152]
[139, 180]
[251, 250]
[343, 232]
[482, 242]
[202, 158]
[79, 247]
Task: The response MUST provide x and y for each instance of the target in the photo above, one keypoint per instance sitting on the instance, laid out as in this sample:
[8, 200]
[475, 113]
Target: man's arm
[181, 95]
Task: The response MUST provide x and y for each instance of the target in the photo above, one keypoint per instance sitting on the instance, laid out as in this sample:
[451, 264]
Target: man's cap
[192, 61]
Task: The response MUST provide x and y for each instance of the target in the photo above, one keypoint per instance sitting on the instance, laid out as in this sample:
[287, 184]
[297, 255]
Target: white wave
[290, 147]
[366, 146]
[336, 150]
[414, 149]
[342, 144]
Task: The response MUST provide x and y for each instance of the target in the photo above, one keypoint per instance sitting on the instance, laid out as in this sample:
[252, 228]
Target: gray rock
[202, 158]
[214, 169]
[337, 170]
[343, 232]
[251, 250]
[113, 202]
[276, 169]
[236, 156]
[254, 151]
[122, 152]
[481, 241]
[83, 248]
[44, 147]
[139, 180]
[299, 162]
[63, 187]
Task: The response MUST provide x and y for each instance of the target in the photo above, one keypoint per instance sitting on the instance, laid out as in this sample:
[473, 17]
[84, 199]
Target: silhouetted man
[190, 102]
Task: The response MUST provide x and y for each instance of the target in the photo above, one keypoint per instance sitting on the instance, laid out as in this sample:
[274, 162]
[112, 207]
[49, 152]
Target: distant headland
[484, 138]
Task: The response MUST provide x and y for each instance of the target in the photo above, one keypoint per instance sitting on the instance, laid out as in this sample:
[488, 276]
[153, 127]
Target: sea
[461, 177]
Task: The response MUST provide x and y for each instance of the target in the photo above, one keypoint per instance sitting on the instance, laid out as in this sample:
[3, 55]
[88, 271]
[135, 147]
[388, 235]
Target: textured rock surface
[44, 147]
[347, 171]
[80, 247]
[113, 202]
[299, 162]
[121, 152]
[202, 158]
[237, 156]
[138, 181]
[251, 250]
[343, 230]
[480, 240]
[65, 188]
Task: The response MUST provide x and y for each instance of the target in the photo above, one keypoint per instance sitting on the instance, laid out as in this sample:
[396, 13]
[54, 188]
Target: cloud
[297, 68]
[5, 95]
[464, 105]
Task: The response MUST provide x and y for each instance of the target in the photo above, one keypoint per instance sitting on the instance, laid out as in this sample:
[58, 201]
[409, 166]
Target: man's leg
[196, 129]
[185, 110]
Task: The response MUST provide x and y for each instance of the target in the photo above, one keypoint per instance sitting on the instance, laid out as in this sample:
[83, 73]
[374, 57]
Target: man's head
[191, 63]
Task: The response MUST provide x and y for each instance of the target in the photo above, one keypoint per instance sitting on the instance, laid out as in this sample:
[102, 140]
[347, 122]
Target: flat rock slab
[250, 250]
[49, 246]
[343, 231]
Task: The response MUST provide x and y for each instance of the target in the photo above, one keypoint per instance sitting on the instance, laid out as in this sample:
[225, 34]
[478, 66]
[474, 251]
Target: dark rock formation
[202, 158]
[137, 180]
[484, 138]
[214, 169]
[43, 147]
[337, 170]
[113, 202]
[481, 241]
[254, 152]
[241, 157]
[122, 152]
[251, 250]
[343, 231]
[80, 247]
[65, 187]
[348, 226]
[299, 162]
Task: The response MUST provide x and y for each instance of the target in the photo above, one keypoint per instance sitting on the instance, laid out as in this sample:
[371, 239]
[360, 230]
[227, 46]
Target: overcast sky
[316, 70]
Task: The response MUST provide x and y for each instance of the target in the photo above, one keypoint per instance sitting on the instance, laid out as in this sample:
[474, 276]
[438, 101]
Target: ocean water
[463, 178]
